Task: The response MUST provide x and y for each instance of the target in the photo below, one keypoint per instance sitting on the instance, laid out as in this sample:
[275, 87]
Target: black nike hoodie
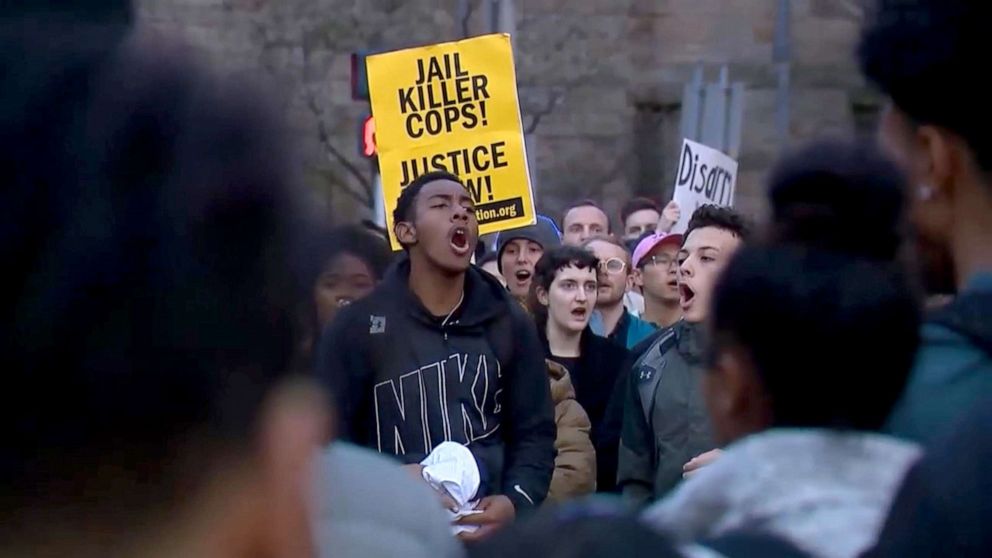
[405, 381]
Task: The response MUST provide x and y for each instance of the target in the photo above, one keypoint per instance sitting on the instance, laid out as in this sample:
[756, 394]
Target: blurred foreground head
[817, 326]
[147, 322]
[839, 196]
[74, 11]
[922, 54]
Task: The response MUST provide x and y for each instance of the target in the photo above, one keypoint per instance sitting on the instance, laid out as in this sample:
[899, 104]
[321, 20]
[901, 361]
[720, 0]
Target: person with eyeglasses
[656, 274]
[612, 319]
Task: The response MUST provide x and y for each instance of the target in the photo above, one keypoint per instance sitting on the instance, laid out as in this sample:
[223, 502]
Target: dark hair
[913, 49]
[547, 268]
[840, 196]
[632, 244]
[408, 197]
[832, 337]
[69, 10]
[151, 305]
[353, 240]
[719, 217]
[322, 249]
[635, 205]
[586, 203]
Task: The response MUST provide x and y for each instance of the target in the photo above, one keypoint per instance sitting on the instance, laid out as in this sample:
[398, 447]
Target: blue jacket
[950, 374]
[632, 329]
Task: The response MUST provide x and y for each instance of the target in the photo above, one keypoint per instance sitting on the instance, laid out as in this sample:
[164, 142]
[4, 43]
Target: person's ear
[943, 163]
[940, 162]
[542, 296]
[630, 280]
[406, 233]
[293, 426]
[638, 278]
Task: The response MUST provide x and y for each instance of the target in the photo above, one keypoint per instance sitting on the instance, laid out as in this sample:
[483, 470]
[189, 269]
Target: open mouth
[674, 284]
[522, 275]
[344, 301]
[580, 313]
[459, 241]
[686, 294]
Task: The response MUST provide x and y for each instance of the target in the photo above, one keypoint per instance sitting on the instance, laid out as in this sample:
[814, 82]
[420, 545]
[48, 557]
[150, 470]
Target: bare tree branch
[324, 136]
[334, 154]
[365, 195]
[364, 198]
[535, 120]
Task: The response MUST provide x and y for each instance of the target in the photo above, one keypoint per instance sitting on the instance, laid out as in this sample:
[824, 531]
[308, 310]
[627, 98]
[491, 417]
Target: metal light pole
[502, 16]
[782, 57]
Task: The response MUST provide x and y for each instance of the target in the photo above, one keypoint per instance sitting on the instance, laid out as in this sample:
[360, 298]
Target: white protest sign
[705, 176]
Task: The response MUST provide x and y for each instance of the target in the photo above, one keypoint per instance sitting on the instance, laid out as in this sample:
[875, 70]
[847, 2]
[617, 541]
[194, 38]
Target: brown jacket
[575, 464]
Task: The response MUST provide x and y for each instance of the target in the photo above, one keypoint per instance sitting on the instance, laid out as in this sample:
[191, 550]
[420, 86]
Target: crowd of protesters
[196, 369]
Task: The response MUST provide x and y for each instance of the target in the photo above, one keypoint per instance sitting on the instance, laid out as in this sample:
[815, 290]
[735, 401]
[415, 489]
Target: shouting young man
[440, 352]
[664, 420]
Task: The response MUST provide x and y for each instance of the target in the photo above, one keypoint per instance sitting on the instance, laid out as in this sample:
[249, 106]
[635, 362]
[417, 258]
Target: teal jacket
[630, 331]
[950, 374]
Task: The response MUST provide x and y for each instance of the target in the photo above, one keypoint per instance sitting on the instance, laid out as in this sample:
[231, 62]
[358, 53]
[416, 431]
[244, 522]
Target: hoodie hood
[825, 491]
[485, 298]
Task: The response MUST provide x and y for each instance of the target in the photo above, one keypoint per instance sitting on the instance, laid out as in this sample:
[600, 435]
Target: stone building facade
[600, 81]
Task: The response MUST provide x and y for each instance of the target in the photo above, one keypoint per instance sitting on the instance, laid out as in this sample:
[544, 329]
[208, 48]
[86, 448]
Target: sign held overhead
[705, 176]
[453, 107]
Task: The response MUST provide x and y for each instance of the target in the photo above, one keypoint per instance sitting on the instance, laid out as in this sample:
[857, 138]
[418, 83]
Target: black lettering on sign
[687, 167]
[726, 190]
[479, 185]
[502, 210]
[712, 181]
[445, 97]
[467, 162]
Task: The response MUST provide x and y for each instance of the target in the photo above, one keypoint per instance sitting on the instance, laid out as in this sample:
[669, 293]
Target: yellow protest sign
[453, 106]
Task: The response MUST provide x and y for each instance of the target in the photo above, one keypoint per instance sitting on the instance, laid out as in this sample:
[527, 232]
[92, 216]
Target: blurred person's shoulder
[367, 506]
[660, 340]
[953, 366]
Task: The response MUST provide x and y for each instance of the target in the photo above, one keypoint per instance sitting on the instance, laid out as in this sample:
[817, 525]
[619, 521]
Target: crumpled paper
[451, 469]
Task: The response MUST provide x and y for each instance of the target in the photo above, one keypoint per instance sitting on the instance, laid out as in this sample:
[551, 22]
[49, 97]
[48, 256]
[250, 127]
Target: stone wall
[600, 80]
